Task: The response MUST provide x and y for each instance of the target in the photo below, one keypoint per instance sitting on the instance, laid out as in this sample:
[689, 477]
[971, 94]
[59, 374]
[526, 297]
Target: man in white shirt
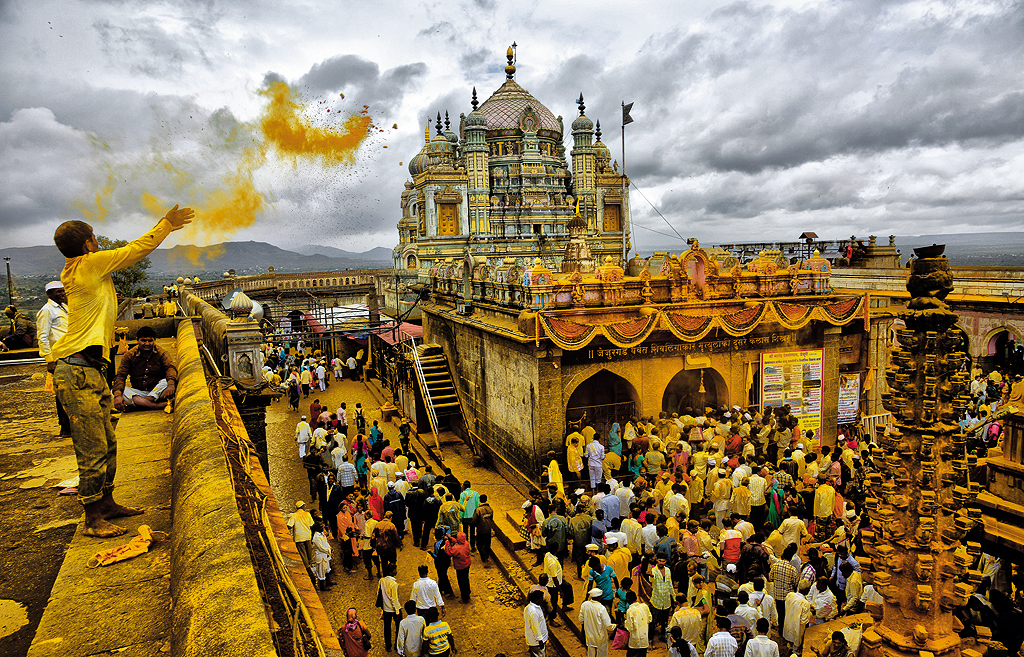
[798, 616]
[301, 524]
[721, 643]
[321, 377]
[751, 614]
[758, 504]
[535, 625]
[689, 620]
[409, 642]
[638, 620]
[51, 325]
[319, 438]
[761, 645]
[595, 461]
[391, 607]
[596, 624]
[302, 436]
[626, 497]
[425, 592]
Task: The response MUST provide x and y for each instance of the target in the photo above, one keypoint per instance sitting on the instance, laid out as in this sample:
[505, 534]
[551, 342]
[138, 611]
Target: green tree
[127, 281]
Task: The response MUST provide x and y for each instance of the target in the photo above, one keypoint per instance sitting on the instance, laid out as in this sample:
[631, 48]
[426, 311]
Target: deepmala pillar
[920, 556]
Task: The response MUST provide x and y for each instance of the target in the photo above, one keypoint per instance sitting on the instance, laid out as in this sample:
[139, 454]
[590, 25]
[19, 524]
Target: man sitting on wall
[152, 373]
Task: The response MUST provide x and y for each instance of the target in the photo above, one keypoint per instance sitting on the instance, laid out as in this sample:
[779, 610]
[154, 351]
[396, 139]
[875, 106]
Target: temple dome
[475, 119]
[505, 107]
[418, 164]
[582, 123]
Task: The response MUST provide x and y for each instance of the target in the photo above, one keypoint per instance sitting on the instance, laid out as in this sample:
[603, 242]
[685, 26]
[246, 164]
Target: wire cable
[633, 184]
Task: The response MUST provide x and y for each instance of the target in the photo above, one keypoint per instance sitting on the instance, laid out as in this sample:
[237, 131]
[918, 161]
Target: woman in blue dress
[615, 440]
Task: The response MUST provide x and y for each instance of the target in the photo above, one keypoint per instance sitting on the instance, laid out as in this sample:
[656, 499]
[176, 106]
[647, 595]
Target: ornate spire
[599, 130]
[473, 102]
[510, 70]
[447, 121]
[438, 125]
[426, 131]
[579, 102]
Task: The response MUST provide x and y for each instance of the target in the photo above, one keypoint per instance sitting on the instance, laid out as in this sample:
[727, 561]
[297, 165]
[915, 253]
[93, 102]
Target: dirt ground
[36, 525]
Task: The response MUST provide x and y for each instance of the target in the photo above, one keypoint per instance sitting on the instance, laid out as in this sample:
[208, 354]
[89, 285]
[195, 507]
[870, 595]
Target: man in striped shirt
[438, 635]
[782, 580]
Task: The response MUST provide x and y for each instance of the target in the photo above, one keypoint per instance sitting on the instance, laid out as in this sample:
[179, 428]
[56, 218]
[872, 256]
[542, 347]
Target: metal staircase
[436, 384]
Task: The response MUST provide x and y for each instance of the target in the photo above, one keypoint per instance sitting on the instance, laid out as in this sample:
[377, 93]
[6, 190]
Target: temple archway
[1003, 350]
[684, 391]
[601, 400]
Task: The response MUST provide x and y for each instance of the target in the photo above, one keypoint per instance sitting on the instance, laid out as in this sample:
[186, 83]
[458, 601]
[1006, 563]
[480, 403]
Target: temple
[502, 190]
[515, 267]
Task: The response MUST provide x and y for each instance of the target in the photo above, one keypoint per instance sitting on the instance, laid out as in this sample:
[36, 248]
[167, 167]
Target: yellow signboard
[794, 378]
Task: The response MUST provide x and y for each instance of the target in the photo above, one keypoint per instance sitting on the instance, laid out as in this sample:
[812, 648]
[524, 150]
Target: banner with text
[849, 397]
[794, 378]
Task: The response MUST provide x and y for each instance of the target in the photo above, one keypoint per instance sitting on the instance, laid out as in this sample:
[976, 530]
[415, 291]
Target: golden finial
[426, 133]
[510, 70]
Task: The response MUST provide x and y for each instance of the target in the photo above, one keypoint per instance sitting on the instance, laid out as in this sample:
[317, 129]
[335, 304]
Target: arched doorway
[601, 400]
[684, 391]
[1004, 350]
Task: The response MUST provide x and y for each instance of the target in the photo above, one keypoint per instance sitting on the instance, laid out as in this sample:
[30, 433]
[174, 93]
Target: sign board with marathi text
[677, 348]
[849, 397]
[794, 378]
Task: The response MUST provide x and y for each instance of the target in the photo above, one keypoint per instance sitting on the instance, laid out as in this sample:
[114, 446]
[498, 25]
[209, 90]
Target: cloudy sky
[753, 120]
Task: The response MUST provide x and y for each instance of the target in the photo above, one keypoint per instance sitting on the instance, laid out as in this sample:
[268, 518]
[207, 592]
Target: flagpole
[622, 212]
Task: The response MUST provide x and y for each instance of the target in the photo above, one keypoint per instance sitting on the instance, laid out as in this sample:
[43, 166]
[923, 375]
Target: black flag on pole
[626, 118]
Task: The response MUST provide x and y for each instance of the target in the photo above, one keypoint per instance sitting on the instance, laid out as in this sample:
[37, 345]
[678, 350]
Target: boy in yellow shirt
[82, 356]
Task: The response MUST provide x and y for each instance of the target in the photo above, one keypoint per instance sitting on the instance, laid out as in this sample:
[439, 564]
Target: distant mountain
[243, 257]
[374, 254]
[971, 249]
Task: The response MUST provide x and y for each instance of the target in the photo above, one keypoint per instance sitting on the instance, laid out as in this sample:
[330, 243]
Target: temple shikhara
[501, 190]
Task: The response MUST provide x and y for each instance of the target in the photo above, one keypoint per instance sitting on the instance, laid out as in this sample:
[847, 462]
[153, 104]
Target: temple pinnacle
[473, 102]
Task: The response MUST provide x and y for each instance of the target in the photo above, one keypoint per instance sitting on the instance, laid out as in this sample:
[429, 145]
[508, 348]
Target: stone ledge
[217, 605]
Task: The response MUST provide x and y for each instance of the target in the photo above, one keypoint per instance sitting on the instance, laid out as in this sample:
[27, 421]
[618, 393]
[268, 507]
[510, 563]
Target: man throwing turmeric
[82, 356]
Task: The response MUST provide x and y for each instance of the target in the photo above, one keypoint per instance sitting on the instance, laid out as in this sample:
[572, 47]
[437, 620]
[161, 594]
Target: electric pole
[10, 283]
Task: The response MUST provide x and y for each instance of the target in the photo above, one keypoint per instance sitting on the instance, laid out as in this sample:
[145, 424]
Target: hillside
[243, 257]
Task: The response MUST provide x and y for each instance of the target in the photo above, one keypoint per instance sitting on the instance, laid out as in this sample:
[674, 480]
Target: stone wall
[498, 385]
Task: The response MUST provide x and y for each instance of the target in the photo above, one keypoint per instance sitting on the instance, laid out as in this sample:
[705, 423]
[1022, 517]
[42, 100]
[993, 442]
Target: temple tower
[921, 560]
[476, 150]
[583, 165]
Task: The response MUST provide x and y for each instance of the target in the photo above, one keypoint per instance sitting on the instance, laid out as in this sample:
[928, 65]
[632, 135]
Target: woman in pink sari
[348, 534]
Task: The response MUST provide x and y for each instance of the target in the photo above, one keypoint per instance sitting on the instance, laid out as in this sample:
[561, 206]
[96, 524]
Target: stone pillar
[878, 360]
[830, 385]
[917, 503]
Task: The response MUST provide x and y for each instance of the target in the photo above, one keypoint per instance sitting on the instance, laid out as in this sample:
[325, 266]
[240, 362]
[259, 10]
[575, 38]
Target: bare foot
[100, 528]
[115, 510]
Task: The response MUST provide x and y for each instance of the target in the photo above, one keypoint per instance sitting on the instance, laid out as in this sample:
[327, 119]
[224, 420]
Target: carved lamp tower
[920, 557]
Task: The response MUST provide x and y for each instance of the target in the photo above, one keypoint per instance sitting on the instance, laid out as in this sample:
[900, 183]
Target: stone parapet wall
[217, 606]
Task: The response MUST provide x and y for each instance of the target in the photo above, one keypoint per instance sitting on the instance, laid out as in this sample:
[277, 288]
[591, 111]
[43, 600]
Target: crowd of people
[372, 501]
[302, 371]
[726, 532]
[723, 533]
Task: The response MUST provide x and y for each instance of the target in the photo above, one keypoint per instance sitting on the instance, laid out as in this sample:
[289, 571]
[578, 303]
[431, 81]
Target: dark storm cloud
[150, 50]
[762, 88]
[362, 80]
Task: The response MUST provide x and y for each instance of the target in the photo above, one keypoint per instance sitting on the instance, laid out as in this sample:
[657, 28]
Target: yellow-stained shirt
[92, 301]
